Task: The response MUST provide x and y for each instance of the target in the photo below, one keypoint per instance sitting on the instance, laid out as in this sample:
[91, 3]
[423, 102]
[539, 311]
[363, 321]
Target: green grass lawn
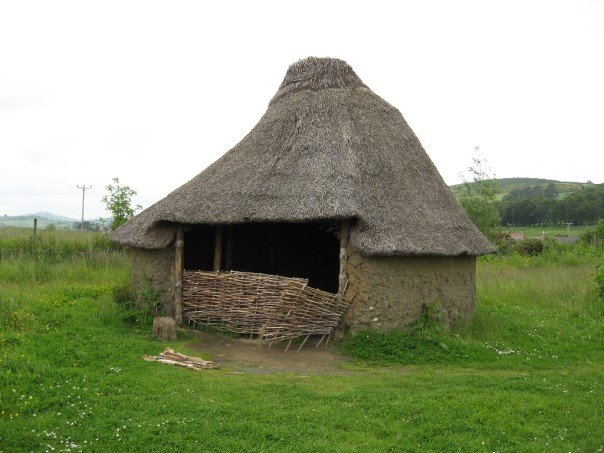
[525, 374]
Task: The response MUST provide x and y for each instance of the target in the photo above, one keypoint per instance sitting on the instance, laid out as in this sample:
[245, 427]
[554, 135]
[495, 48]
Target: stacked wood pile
[270, 307]
[171, 357]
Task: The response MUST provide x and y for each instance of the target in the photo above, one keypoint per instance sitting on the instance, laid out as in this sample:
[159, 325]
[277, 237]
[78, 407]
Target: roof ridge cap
[314, 73]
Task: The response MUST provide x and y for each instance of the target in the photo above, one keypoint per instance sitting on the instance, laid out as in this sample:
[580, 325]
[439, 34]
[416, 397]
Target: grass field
[535, 231]
[525, 374]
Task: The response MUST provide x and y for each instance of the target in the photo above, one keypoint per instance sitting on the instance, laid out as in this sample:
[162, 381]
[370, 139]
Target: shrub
[596, 233]
[119, 202]
[479, 198]
[140, 304]
[550, 245]
[431, 320]
[503, 241]
[529, 247]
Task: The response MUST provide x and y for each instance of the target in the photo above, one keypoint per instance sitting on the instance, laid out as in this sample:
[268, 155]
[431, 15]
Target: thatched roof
[327, 148]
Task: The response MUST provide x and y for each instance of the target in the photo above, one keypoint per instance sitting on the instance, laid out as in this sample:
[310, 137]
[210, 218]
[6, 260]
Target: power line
[84, 188]
[30, 178]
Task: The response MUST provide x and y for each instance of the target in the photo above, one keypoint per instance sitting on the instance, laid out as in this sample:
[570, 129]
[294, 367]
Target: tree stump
[164, 328]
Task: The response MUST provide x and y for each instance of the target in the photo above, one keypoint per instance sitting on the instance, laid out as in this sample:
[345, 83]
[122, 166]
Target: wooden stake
[217, 247]
[320, 341]
[343, 278]
[178, 267]
[303, 342]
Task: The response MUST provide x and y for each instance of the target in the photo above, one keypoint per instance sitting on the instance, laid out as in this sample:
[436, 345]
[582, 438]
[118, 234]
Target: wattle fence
[270, 307]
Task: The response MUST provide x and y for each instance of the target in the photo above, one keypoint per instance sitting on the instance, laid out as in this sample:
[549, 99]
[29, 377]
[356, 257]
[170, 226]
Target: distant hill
[539, 202]
[44, 219]
[49, 216]
[506, 185]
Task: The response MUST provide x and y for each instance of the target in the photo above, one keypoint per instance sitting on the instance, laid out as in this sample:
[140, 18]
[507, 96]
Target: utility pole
[84, 188]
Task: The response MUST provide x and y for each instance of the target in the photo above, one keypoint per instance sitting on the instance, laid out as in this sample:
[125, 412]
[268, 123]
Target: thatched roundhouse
[331, 185]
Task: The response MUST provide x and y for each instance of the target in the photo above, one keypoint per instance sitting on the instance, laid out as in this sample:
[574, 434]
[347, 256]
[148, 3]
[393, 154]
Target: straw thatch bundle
[327, 148]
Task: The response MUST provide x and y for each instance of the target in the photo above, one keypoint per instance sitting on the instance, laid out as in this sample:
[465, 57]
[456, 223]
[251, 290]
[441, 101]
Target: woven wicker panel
[268, 306]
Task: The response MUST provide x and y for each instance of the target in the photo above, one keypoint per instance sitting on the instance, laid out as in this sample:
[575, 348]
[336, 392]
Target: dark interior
[199, 248]
[308, 250]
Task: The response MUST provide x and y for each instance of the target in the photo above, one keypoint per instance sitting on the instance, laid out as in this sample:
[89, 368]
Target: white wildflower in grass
[501, 351]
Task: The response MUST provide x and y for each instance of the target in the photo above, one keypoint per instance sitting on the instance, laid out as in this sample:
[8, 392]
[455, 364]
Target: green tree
[479, 198]
[119, 202]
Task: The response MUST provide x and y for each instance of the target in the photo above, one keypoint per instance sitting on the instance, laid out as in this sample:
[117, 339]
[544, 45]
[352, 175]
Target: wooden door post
[217, 247]
[178, 268]
[343, 278]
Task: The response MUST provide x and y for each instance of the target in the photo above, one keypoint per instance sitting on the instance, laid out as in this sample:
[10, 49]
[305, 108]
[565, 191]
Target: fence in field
[270, 307]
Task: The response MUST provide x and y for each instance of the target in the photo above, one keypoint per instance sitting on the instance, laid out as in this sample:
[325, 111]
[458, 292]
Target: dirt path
[242, 354]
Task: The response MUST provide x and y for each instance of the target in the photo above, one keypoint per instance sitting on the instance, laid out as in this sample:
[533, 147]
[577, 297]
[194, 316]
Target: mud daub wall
[152, 269]
[390, 291]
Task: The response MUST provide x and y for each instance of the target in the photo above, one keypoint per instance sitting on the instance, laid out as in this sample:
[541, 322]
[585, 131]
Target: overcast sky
[153, 92]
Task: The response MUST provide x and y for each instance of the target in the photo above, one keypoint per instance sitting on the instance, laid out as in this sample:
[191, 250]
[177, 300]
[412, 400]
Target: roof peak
[315, 73]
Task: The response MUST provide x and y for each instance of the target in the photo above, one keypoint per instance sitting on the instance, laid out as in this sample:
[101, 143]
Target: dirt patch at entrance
[246, 355]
